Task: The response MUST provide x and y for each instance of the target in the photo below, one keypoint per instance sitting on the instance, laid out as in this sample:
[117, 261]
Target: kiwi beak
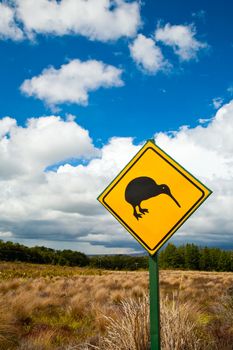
[177, 203]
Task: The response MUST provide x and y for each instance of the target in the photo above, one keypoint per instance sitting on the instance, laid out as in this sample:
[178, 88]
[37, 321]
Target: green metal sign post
[154, 302]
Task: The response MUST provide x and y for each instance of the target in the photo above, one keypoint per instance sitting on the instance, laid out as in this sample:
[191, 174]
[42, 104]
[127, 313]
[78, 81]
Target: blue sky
[189, 87]
[105, 82]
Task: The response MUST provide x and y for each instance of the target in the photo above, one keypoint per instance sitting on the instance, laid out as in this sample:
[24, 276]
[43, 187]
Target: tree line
[193, 257]
[10, 251]
[186, 257]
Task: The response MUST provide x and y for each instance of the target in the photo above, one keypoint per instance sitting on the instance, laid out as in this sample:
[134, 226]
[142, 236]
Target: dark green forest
[185, 257]
[10, 251]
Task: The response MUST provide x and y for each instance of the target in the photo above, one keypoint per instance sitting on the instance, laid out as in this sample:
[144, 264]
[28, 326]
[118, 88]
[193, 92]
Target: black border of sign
[177, 224]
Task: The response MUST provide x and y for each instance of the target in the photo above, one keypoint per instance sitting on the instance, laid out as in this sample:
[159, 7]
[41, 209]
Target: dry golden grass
[57, 308]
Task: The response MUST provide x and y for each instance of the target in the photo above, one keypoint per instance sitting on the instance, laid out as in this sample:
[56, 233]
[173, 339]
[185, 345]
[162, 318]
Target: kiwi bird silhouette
[142, 188]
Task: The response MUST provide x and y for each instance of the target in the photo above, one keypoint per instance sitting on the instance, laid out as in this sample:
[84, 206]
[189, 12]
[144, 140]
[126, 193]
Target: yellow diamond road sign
[153, 196]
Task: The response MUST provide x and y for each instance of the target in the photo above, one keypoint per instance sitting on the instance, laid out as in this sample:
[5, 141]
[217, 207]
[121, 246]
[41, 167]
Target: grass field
[61, 308]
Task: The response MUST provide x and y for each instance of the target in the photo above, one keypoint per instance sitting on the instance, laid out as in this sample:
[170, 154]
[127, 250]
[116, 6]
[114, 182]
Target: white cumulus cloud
[27, 151]
[207, 152]
[147, 54]
[181, 38]
[8, 26]
[6, 124]
[217, 102]
[95, 19]
[60, 205]
[72, 82]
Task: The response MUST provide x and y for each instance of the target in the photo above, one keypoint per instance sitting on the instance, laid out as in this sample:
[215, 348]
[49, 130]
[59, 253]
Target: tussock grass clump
[40, 341]
[131, 329]
[221, 326]
[8, 332]
[179, 327]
